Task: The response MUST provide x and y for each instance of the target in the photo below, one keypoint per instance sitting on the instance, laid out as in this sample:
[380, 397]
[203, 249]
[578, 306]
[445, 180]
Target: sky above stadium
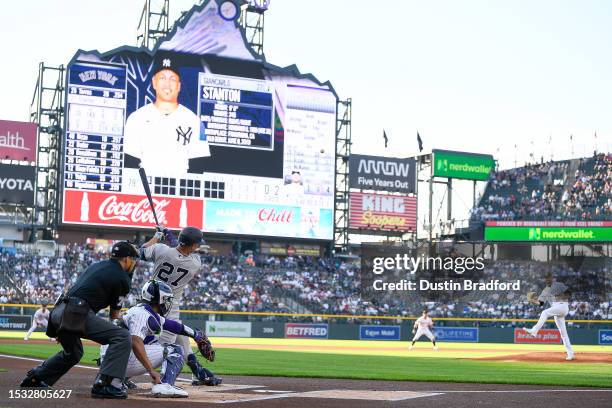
[476, 76]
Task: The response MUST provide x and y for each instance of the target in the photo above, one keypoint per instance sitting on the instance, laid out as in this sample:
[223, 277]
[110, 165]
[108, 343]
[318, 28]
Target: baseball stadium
[185, 223]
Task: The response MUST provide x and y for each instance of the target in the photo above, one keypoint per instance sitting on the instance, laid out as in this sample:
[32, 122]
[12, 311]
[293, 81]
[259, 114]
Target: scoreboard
[270, 171]
[96, 106]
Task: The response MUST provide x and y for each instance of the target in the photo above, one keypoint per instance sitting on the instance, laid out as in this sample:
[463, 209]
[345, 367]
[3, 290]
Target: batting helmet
[190, 236]
[158, 293]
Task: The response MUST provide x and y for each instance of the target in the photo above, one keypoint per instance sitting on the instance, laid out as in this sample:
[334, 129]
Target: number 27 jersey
[172, 267]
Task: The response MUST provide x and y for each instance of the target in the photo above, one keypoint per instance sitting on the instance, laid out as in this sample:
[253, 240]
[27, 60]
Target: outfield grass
[300, 364]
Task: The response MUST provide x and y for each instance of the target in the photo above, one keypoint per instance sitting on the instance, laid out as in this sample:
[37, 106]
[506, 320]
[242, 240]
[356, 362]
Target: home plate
[215, 395]
[365, 395]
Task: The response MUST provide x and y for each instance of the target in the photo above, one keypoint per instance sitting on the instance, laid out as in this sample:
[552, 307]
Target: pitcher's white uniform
[143, 322]
[164, 142]
[558, 309]
[40, 319]
[424, 324]
[177, 270]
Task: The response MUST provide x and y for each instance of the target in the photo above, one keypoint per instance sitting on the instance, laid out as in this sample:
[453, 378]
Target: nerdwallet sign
[382, 173]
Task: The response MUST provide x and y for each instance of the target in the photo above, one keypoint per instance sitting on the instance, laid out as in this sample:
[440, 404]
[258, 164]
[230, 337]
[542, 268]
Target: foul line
[38, 360]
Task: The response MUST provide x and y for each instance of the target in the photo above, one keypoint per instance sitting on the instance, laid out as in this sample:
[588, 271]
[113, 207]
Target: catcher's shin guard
[172, 364]
[201, 375]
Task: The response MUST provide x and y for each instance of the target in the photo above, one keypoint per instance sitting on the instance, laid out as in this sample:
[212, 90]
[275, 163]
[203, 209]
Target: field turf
[371, 360]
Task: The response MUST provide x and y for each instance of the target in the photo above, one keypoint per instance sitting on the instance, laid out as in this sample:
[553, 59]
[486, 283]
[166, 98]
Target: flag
[386, 138]
[420, 142]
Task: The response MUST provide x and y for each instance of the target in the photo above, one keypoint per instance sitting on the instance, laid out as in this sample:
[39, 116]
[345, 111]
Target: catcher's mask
[158, 293]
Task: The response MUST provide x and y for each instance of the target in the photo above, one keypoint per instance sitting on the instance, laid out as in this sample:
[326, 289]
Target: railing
[23, 307]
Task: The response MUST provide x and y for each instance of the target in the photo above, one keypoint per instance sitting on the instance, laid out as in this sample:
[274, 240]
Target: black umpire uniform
[74, 317]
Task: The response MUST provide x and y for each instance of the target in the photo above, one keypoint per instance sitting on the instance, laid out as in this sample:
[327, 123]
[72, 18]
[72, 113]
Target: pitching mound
[553, 357]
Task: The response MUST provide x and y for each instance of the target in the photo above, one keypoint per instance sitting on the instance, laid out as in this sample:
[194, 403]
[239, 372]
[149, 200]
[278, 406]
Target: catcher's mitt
[205, 347]
[532, 298]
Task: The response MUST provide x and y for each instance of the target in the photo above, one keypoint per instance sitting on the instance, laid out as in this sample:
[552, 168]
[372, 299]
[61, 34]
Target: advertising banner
[306, 331]
[382, 212]
[605, 337]
[18, 140]
[114, 209]
[369, 332]
[461, 165]
[268, 219]
[459, 334]
[382, 173]
[549, 234]
[17, 184]
[15, 322]
[521, 223]
[228, 329]
[548, 336]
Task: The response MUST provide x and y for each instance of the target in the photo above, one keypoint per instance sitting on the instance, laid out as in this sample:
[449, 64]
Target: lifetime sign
[382, 173]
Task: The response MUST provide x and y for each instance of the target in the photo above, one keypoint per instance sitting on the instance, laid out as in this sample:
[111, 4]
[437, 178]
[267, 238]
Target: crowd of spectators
[311, 285]
[547, 191]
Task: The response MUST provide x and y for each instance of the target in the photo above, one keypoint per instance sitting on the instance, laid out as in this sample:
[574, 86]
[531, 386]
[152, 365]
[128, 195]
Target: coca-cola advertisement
[127, 210]
[268, 220]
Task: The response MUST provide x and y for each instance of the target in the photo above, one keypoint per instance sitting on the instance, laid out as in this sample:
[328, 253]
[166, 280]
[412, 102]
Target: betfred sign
[306, 331]
[545, 336]
[17, 140]
[127, 210]
[382, 212]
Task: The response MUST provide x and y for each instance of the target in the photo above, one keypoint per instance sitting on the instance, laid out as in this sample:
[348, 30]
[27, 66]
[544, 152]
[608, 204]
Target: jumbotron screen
[230, 145]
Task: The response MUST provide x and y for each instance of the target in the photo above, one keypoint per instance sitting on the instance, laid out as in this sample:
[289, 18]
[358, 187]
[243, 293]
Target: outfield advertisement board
[549, 234]
[373, 332]
[306, 331]
[605, 337]
[545, 336]
[461, 165]
[18, 140]
[459, 334]
[382, 173]
[15, 322]
[228, 329]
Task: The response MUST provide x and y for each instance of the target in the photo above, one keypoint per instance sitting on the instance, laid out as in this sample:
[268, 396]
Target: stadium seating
[579, 189]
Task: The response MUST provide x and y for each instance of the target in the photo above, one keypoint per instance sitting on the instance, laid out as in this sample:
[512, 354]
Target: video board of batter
[229, 146]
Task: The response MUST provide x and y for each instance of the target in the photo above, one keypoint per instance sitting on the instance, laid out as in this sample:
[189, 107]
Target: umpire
[103, 284]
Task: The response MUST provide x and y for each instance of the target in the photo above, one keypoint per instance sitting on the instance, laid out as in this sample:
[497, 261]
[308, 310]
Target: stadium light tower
[252, 20]
[154, 22]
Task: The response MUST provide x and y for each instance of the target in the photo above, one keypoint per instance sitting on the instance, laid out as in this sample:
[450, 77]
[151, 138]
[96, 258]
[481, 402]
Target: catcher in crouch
[145, 321]
[176, 265]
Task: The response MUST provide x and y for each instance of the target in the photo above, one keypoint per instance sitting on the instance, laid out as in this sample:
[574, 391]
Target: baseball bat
[145, 184]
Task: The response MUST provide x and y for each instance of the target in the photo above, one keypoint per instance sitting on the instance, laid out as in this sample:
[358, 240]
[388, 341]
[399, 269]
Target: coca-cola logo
[272, 215]
[113, 209]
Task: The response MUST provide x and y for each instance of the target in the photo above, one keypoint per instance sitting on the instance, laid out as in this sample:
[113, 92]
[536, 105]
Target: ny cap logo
[166, 62]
